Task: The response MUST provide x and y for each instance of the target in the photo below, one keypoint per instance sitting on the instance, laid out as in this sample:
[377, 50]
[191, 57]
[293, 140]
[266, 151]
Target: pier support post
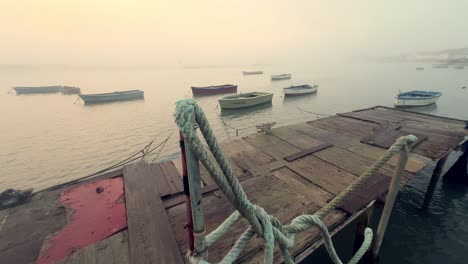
[433, 183]
[458, 173]
[389, 202]
[196, 196]
[363, 221]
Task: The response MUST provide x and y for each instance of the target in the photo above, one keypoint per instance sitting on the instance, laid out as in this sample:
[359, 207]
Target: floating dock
[138, 214]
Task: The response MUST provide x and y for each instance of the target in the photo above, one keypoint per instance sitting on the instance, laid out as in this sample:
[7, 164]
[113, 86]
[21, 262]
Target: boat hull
[280, 77]
[245, 102]
[222, 89]
[70, 90]
[37, 90]
[252, 72]
[415, 102]
[292, 92]
[111, 97]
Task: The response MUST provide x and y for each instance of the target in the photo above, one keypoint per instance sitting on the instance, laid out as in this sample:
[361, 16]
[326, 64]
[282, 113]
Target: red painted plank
[97, 211]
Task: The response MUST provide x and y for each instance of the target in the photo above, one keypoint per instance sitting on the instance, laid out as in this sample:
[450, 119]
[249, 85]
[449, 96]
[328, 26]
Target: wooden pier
[293, 170]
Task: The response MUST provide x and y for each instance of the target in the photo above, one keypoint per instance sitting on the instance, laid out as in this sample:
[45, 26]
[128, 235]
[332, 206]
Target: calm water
[49, 139]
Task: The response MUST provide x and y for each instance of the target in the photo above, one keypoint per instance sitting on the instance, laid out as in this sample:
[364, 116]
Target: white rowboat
[416, 98]
[111, 97]
[300, 89]
[245, 100]
[285, 76]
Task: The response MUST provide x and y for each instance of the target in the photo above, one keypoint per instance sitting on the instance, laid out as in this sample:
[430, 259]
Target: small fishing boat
[70, 90]
[459, 67]
[245, 100]
[37, 89]
[217, 89]
[252, 72]
[416, 98]
[46, 89]
[111, 97]
[300, 89]
[440, 66]
[419, 68]
[284, 76]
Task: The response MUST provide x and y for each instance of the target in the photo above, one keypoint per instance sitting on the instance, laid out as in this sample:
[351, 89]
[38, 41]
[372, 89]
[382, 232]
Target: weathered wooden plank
[164, 187]
[345, 126]
[386, 136]
[306, 152]
[329, 177]
[204, 175]
[150, 236]
[110, 250]
[415, 163]
[387, 115]
[271, 145]
[294, 138]
[179, 198]
[441, 121]
[172, 175]
[375, 186]
[245, 157]
[282, 193]
[350, 161]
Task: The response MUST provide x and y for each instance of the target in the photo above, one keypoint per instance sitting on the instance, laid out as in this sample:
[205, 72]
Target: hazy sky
[205, 31]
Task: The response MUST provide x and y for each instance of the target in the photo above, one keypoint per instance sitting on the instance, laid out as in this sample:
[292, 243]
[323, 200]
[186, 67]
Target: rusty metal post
[186, 192]
[194, 184]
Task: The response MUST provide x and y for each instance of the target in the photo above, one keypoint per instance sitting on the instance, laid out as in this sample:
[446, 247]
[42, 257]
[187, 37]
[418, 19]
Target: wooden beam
[150, 234]
[434, 180]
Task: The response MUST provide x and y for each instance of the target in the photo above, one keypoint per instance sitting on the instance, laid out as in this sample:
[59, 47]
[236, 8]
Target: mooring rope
[187, 114]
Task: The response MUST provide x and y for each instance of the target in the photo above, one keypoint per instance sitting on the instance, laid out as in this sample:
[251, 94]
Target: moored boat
[300, 89]
[284, 76]
[70, 90]
[111, 97]
[416, 98]
[216, 89]
[245, 100]
[252, 72]
[459, 67]
[440, 66]
[419, 68]
[37, 89]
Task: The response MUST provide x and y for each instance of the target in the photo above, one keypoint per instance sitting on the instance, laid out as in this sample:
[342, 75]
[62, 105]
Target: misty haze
[90, 87]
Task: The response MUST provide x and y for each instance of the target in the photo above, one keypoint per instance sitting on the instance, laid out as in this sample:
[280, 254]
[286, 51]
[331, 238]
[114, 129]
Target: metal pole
[433, 183]
[196, 202]
[186, 191]
[389, 202]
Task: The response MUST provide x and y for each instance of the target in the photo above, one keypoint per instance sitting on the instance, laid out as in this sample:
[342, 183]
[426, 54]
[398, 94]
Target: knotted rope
[266, 226]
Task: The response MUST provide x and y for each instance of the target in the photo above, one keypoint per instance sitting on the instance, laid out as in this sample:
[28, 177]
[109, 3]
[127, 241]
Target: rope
[266, 226]
[140, 154]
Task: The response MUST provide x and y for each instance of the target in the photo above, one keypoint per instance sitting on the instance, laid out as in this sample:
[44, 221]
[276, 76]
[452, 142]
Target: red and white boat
[217, 89]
